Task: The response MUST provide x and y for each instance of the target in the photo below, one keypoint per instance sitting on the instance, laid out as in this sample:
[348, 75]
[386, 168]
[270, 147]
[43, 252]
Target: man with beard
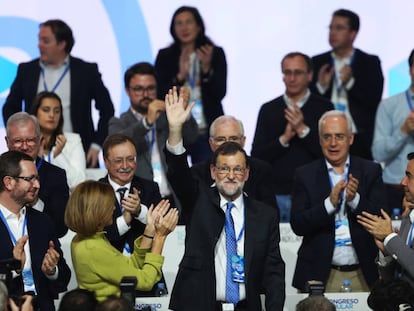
[23, 134]
[232, 241]
[396, 257]
[146, 124]
[28, 235]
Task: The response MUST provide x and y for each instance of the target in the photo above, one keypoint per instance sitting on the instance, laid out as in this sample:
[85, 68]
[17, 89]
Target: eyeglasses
[295, 73]
[120, 161]
[330, 137]
[141, 90]
[338, 27]
[225, 170]
[30, 179]
[18, 142]
[222, 139]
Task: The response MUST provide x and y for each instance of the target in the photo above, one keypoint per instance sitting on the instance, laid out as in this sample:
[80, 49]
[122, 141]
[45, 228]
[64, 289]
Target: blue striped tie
[232, 288]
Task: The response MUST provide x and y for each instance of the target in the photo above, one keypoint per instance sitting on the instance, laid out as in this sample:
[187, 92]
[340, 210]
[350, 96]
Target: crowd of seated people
[312, 163]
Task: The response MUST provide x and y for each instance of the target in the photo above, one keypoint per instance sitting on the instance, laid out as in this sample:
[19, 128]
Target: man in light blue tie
[232, 250]
[396, 256]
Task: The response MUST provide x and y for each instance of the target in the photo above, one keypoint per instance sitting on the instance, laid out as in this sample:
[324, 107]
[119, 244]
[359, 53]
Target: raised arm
[178, 111]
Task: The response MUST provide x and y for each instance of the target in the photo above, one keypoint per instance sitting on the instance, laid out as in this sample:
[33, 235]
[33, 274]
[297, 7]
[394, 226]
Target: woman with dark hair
[192, 60]
[61, 149]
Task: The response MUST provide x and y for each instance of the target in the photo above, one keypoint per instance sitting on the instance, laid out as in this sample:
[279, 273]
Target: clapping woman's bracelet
[148, 236]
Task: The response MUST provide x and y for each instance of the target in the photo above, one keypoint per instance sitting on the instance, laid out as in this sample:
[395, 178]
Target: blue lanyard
[12, 237]
[39, 164]
[192, 77]
[58, 81]
[410, 235]
[346, 171]
[408, 96]
[151, 138]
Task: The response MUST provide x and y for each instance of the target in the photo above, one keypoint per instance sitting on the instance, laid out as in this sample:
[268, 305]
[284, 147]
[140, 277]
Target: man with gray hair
[328, 194]
[23, 134]
[259, 185]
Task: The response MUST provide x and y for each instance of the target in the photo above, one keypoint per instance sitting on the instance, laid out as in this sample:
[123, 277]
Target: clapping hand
[132, 202]
[205, 54]
[59, 145]
[18, 250]
[167, 223]
[50, 260]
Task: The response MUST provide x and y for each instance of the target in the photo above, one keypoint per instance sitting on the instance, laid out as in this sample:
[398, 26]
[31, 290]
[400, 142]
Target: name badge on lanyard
[27, 274]
[342, 233]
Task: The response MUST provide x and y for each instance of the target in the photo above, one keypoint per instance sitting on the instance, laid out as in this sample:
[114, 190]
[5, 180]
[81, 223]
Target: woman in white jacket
[61, 149]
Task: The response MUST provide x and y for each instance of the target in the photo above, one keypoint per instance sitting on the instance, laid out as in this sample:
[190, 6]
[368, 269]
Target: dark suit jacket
[85, 85]
[149, 194]
[40, 230]
[310, 219]
[258, 186]
[271, 124]
[400, 256]
[127, 124]
[54, 192]
[195, 284]
[364, 97]
[213, 86]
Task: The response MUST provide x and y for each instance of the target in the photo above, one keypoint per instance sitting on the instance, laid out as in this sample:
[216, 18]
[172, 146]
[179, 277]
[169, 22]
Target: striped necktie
[232, 287]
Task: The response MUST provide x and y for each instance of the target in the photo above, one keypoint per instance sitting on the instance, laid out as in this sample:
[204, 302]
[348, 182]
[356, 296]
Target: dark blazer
[400, 256]
[127, 124]
[310, 220]
[213, 85]
[40, 229]
[258, 186]
[195, 284]
[271, 124]
[85, 85]
[149, 193]
[364, 97]
[54, 192]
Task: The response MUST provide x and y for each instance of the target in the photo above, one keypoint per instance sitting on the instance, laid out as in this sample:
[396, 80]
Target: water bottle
[346, 286]
[161, 290]
[396, 219]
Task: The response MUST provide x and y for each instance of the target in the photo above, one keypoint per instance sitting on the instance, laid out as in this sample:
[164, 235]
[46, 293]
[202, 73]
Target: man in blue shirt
[394, 138]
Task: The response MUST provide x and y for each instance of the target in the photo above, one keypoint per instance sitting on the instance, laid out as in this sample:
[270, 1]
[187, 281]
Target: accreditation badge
[237, 268]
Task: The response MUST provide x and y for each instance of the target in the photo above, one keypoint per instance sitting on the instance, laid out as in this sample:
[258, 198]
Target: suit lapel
[322, 178]
[250, 215]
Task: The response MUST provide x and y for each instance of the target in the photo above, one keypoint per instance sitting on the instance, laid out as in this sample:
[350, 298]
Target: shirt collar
[411, 215]
[136, 114]
[7, 213]
[301, 102]
[116, 186]
[343, 59]
[237, 202]
[63, 64]
[331, 168]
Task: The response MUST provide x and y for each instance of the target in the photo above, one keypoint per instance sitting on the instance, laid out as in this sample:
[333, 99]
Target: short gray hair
[22, 118]
[223, 119]
[335, 113]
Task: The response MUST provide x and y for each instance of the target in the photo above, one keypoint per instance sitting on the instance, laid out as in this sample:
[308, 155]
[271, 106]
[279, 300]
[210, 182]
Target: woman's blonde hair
[90, 207]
